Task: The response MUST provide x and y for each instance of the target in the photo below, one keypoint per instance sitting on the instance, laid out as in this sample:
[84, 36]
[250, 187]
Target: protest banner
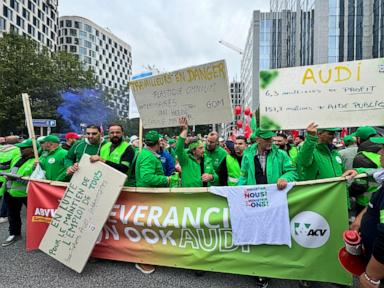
[347, 94]
[200, 93]
[81, 213]
[192, 230]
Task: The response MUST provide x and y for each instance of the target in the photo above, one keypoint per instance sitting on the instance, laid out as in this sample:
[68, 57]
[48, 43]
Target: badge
[338, 159]
[51, 160]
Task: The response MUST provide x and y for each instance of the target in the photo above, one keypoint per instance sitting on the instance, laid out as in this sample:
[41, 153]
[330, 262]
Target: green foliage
[26, 67]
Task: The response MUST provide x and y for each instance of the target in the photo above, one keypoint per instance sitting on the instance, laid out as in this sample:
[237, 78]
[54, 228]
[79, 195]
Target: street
[35, 269]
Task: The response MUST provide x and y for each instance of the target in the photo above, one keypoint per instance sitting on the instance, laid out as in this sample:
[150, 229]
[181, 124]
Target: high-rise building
[307, 32]
[236, 100]
[35, 19]
[99, 49]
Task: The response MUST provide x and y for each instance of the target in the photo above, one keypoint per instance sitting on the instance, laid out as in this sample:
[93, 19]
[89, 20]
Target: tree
[26, 67]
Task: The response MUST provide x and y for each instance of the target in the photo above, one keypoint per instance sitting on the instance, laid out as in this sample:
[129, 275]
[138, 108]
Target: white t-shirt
[259, 214]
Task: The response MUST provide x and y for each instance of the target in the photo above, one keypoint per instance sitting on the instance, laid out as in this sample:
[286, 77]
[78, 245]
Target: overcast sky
[173, 34]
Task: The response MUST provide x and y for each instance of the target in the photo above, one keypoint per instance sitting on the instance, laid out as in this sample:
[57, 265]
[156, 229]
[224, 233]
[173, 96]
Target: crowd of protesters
[195, 161]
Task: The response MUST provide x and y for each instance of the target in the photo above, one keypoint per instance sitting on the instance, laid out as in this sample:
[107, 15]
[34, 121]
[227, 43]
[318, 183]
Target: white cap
[133, 138]
[221, 139]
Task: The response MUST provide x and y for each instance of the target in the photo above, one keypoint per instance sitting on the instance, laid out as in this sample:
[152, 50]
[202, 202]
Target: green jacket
[234, 170]
[279, 166]
[149, 170]
[7, 153]
[53, 164]
[217, 156]
[292, 153]
[317, 161]
[190, 168]
[79, 148]
[18, 188]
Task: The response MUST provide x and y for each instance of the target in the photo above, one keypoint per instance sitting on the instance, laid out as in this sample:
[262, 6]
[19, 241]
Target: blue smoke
[83, 106]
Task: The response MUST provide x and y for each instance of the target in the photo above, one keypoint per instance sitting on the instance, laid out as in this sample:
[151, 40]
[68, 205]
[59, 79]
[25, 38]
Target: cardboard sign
[200, 93]
[82, 212]
[347, 94]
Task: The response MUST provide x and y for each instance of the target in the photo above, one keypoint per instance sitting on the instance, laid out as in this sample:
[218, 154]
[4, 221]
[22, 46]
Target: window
[76, 41]
[72, 49]
[36, 22]
[25, 13]
[31, 30]
[20, 22]
[83, 34]
[83, 51]
[7, 13]
[31, 6]
[73, 32]
[14, 5]
[92, 37]
[68, 40]
[77, 24]
[87, 28]
[68, 23]
[2, 23]
[87, 44]
[41, 15]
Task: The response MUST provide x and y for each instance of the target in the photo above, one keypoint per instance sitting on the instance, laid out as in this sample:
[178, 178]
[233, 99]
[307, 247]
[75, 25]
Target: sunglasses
[92, 133]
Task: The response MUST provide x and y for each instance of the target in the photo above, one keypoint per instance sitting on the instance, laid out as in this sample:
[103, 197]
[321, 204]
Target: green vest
[364, 198]
[115, 157]
[7, 154]
[19, 189]
[234, 171]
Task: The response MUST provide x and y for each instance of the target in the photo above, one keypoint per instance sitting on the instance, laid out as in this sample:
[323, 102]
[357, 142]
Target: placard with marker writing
[82, 212]
[200, 93]
[346, 94]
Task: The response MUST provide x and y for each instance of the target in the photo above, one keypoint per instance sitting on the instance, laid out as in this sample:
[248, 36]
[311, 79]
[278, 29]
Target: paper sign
[82, 212]
[200, 93]
[347, 94]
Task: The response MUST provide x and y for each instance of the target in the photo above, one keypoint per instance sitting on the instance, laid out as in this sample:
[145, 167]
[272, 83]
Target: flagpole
[140, 134]
[28, 120]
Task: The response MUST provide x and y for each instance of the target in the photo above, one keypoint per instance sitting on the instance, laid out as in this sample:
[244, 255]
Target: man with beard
[281, 140]
[91, 145]
[234, 159]
[117, 153]
[218, 155]
[197, 169]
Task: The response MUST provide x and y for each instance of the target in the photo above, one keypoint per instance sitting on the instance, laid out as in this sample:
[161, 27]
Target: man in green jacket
[8, 151]
[264, 163]
[218, 155]
[118, 153]
[149, 170]
[53, 163]
[16, 193]
[234, 159]
[318, 158]
[196, 170]
[281, 141]
[91, 145]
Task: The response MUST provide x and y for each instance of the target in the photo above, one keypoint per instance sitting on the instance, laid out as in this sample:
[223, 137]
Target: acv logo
[310, 229]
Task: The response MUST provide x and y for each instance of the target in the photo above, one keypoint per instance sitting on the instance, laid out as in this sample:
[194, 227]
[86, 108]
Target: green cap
[171, 141]
[51, 138]
[377, 140]
[152, 136]
[26, 143]
[264, 134]
[329, 129]
[349, 139]
[365, 132]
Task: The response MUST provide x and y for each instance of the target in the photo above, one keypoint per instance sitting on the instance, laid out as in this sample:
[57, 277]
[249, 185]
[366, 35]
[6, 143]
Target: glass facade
[378, 29]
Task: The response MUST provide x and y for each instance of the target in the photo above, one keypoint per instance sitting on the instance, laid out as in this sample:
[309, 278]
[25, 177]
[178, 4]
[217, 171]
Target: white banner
[200, 93]
[82, 212]
[347, 94]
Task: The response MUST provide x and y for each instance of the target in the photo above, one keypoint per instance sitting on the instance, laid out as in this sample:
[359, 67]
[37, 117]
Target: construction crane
[230, 46]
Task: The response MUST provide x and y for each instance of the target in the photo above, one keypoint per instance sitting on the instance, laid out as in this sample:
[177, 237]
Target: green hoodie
[79, 148]
[317, 161]
[190, 168]
[279, 166]
[149, 170]
[53, 164]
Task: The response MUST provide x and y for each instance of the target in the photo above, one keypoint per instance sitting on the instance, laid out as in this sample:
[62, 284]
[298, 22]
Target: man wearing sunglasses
[90, 145]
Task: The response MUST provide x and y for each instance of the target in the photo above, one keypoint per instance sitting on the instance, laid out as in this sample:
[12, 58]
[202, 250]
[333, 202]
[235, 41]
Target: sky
[173, 34]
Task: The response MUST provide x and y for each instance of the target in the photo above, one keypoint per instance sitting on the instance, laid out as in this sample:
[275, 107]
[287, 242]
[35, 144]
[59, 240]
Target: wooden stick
[140, 134]
[28, 119]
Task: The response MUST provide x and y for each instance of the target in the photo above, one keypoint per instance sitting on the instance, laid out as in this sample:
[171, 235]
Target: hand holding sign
[312, 129]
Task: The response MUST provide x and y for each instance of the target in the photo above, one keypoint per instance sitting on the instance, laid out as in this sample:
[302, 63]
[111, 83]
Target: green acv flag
[192, 230]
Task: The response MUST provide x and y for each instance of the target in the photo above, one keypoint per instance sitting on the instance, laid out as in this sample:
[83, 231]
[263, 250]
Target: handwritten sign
[200, 93]
[82, 212]
[347, 94]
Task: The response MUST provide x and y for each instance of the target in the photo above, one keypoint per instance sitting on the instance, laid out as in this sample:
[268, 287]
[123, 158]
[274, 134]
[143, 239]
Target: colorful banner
[192, 230]
[200, 93]
[347, 94]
